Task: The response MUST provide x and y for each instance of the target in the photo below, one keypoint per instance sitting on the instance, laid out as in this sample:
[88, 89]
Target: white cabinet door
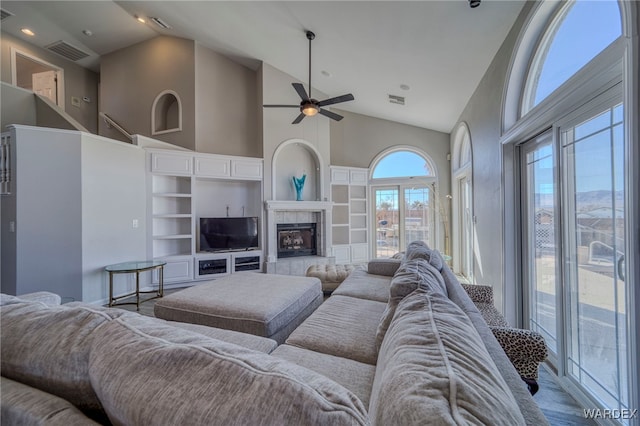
[171, 163]
[246, 169]
[342, 254]
[212, 167]
[359, 253]
[358, 177]
[176, 270]
[339, 175]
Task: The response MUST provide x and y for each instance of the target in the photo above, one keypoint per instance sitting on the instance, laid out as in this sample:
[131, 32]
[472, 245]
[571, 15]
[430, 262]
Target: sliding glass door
[541, 252]
[594, 235]
[574, 260]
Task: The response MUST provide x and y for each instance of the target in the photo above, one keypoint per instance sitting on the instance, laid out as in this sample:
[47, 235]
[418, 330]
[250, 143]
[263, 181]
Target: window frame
[619, 63]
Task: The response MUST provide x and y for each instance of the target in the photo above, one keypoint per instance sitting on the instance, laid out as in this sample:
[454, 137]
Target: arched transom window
[578, 33]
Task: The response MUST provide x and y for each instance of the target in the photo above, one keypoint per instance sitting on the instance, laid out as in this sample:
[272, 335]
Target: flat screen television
[228, 233]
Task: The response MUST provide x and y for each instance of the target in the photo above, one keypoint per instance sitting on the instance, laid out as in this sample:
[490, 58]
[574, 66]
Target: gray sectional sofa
[399, 343]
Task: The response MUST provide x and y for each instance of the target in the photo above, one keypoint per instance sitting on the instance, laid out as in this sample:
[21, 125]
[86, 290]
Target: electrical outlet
[134, 223]
[12, 226]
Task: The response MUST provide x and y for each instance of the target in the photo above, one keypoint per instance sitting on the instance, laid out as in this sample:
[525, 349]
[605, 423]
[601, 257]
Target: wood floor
[558, 406]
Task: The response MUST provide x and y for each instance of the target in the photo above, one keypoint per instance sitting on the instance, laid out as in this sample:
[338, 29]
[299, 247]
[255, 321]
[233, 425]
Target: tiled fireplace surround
[279, 212]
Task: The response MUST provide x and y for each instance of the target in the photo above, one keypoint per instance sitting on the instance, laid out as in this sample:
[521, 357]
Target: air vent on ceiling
[4, 14]
[159, 22]
[394, 99]
[66, 50]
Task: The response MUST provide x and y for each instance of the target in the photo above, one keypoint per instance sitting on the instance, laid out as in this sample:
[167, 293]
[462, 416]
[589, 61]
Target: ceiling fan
[310, 106]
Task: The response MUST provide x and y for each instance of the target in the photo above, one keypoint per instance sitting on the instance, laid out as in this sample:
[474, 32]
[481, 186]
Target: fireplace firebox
[296, 239]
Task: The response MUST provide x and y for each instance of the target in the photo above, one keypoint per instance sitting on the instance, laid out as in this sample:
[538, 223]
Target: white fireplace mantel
[314, 206]
[274, 206]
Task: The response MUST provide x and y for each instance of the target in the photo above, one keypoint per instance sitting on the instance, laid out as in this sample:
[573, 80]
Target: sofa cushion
[386, 267]
[364, 285]
[47, 347]
[24, 405]
[142, 379]
[433, 365]
[420, 250]
[353, 375]
[412, 274]
[342, 326]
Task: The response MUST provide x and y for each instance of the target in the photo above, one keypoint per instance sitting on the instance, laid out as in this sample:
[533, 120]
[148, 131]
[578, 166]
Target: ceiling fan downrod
[310, 36]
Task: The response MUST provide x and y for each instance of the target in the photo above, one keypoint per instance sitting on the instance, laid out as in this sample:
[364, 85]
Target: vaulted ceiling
[432, 53]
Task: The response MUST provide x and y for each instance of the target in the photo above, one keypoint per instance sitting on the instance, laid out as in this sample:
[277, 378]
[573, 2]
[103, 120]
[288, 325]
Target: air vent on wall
[4, 14]
[159, 22]
[394, 99]
[66, 50]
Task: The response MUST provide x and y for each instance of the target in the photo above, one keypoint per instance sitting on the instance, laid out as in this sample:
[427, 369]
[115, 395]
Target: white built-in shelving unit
[350, 231]
[186, 186]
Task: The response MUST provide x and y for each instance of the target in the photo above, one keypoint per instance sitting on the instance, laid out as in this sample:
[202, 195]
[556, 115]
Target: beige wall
[131, 78]
[78, 81]
[483, 117]
[277, 129]
[358, 139]
[226, 106]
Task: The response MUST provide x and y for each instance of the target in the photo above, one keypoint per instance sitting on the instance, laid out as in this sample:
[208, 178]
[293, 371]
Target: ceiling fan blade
[336, 100]
[298, 119]
[281, 106]
[330, 114]
[301, 92]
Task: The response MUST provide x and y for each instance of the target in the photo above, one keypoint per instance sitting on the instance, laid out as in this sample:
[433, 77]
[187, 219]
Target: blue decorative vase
[299, 185]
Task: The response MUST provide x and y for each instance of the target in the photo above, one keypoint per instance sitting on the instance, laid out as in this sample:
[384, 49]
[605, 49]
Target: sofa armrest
[526, 349]
[479, 293]
[386, 267]
[45, 297]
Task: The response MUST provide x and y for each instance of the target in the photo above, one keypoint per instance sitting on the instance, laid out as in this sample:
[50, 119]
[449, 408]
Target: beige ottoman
[267, 305]
[331, 276]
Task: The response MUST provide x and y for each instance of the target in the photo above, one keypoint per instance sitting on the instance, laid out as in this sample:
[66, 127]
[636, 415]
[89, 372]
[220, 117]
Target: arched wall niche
[295, 157]
[166, 113]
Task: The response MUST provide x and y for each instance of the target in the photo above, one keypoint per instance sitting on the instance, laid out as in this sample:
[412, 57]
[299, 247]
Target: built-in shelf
[350, 214]
[185, 186]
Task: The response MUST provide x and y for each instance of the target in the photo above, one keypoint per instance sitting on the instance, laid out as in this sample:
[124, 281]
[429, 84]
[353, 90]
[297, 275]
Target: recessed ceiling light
[140, 19]
[325, 73]
[404, 87]
[88, 33]
[28, 32]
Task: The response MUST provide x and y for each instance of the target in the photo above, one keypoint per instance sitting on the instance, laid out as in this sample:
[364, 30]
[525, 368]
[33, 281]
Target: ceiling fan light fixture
[309, 109]
[474, 3]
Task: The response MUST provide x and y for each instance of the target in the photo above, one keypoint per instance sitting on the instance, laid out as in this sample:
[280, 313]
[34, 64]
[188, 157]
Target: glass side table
[131, 268]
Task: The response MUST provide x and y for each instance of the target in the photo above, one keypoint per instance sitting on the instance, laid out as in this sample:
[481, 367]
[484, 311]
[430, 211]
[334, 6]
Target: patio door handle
[620, 267]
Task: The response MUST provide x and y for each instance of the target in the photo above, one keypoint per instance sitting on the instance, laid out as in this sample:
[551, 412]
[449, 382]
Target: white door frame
[14, 72]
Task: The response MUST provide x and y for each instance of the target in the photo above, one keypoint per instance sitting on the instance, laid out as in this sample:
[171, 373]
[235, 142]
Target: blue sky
[588, 28]
[401, 163]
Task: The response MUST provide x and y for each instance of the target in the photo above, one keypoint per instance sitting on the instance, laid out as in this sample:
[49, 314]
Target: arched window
[462, 202]
[399, 164]
[566, 134]
[407, 203]
[578, 33]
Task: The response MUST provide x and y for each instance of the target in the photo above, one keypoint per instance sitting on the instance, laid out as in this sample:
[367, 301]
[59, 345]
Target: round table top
[135, 266]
